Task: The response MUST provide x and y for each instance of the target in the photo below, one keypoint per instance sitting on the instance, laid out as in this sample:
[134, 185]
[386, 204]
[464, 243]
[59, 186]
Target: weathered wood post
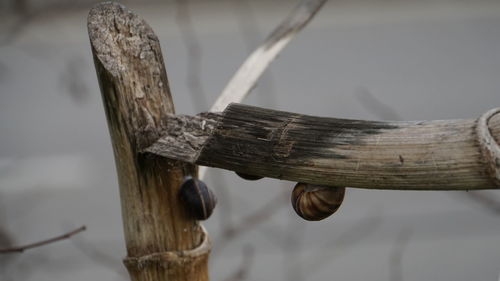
[163, 242]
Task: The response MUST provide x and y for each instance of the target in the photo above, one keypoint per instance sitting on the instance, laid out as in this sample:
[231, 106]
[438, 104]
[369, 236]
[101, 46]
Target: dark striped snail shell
[199, 200]
[315, 202]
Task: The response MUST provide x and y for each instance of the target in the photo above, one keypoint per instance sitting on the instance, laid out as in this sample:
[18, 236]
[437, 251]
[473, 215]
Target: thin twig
[292, 248]
[71, 80]
[226, 202]
[26, 16]
[242, 272]
[395, 264]
[249, 30]
[99, 256]
[250, 221]
[377, 107]
[20, 249]
[316, 261]
[486, 200]
[250, 71]
[255, 218]
[194, 55]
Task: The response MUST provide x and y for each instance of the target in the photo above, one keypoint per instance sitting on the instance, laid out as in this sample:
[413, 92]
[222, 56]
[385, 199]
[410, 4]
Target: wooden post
[163, 241]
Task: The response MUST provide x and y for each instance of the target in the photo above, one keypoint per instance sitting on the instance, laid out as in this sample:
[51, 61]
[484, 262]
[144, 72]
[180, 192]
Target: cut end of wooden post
[137, 101]
[105, 22]
[127, 50]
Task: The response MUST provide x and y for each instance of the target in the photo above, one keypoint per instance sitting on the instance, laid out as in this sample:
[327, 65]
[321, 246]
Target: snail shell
[199, 200]
[248, 177]
[315, 202]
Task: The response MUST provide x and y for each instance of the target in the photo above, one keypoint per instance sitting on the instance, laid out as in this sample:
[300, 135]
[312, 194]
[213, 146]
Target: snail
[248, 177]
[316, 202]
[198, 198]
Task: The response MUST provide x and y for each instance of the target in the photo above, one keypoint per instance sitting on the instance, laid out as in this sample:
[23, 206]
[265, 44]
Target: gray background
[357, 59]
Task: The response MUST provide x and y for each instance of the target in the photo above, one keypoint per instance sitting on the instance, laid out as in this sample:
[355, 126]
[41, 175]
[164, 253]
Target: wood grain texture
[137, 100]
[416, 155]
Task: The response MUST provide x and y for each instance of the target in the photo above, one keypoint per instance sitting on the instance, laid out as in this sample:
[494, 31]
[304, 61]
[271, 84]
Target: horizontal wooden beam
[415, 155]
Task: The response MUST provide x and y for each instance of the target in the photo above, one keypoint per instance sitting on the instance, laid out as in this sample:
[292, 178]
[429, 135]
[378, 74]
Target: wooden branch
[20, 249]
[417, 155]
[163, 241]
[244, 80]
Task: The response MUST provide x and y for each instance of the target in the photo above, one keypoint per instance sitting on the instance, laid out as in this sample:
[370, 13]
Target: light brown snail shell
[315, 202]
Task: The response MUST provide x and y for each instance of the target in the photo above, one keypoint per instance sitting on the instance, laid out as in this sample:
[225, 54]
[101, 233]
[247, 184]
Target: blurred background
[371, 59]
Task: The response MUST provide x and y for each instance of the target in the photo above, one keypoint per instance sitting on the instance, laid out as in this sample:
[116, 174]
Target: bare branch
[386, 112]
[250, 32]
[194, 55]
[20, 249]
[242, 272]
[100, 256]
[292, 249]
[71, 79]
[395, 264]
[372, 104]
[252, 220]
[250, 71]
[488, 201]
[350, 238]
[26, 16]
[412, 155]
